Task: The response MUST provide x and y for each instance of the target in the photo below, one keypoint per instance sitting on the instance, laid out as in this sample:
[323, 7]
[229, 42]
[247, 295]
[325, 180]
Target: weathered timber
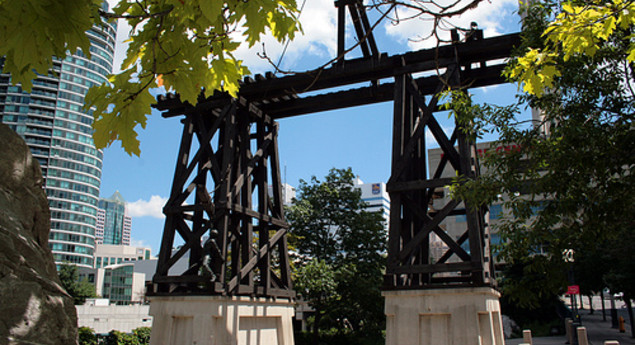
[221, 211]
[413, 220]
[367, 69]
[226, 199]
[361, 70]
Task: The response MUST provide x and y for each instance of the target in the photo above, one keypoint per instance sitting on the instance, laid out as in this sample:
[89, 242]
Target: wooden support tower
[233, 228]
[413, 218]
[226, 207]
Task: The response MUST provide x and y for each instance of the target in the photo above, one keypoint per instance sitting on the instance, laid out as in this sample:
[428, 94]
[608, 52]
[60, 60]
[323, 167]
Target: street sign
[573, 290]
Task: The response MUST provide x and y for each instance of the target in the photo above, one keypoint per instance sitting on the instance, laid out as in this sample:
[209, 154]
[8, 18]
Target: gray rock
[34, 308]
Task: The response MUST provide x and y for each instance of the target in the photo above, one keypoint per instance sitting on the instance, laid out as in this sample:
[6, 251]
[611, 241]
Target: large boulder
[34, 308]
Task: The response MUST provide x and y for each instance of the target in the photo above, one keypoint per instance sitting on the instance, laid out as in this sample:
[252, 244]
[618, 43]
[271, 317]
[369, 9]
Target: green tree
[182, 45]
[119, 338]
[80, 290]
[143, 335]
[328, 224]
[315, 281]
[570, 185]
[87, 336]
[328, 221]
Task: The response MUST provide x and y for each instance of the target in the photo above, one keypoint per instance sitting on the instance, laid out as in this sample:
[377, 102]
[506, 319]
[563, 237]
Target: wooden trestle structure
[226, 199]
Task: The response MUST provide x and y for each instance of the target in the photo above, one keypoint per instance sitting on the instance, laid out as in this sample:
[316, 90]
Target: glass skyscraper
[58, 131]
[113, 223]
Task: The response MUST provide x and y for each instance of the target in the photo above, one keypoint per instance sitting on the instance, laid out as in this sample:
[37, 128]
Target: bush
[87, 336]
[142, 334]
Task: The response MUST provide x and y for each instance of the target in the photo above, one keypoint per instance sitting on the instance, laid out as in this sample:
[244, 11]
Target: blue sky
[309, 145]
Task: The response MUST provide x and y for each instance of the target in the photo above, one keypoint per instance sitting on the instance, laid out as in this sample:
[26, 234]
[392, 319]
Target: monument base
[221, 320]
[454, 316]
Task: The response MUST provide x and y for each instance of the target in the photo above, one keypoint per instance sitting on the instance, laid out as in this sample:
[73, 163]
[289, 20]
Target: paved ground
[597, 330]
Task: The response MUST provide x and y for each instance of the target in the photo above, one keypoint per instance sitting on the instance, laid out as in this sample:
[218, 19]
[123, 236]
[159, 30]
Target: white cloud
[318, 38]
[319, 26]
[490, 88]
[147, 208]
[138, 243]
[488, 15]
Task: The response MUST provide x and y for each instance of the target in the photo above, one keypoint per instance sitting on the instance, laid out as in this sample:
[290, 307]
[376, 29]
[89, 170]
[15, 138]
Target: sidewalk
[597, 330]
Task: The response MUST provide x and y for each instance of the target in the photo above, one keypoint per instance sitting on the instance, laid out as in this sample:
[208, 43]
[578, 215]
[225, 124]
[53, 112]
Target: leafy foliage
[80, 290]
[579, 29]
[143, 334]
[316, 283]
[32, 33]
[345, 244]
[119, 338]
[182, 45]
[546, 311]
[87, 336]
[328, 221]
[570, 184]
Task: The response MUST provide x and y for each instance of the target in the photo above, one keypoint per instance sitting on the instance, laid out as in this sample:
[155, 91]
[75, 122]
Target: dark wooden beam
[367, 69]
[355, 71]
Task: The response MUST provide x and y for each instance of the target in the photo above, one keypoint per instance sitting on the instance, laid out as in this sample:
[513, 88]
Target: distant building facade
[288, 193]
[102, 316]
[121, 272]
[108, 254]
[457, 224]
[376, 197]
[119, 283]
[113, 223]
[57, 129]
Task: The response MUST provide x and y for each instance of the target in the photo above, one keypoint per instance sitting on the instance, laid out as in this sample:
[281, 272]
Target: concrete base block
[220, 320]
[456, 316]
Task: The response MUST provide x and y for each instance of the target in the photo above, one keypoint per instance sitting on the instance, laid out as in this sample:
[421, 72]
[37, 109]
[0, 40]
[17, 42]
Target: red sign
[573, 290]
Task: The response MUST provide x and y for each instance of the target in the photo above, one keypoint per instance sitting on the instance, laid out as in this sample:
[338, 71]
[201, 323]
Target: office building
[288, 193]
[119, 282]
[107, 254]
[57, 129]
[457, 224]
[113, 223]
[103, 316]
[376, 197]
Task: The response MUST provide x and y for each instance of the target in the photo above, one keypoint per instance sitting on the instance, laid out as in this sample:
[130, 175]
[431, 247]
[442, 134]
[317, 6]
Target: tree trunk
[603, 307]
[629, 307]
[613, 311]
[590, 297]
[581, 302]
[316, 323]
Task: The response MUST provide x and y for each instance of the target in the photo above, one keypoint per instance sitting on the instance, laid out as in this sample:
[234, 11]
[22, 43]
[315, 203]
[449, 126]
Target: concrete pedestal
[219, 320]
[457, 316]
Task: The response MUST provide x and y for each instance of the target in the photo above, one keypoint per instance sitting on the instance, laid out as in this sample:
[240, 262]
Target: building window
[495, 211]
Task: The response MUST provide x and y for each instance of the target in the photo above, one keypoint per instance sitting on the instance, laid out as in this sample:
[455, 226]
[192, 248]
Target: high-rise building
[376, 197]
[288, 193]
[113, 223]
[58, 131]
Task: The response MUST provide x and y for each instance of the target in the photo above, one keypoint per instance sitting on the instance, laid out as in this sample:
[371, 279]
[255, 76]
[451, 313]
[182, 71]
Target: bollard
[620, 321]
[527, 336]
[582, 336]
[567, 329]
[611, 342]
[570, 332]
